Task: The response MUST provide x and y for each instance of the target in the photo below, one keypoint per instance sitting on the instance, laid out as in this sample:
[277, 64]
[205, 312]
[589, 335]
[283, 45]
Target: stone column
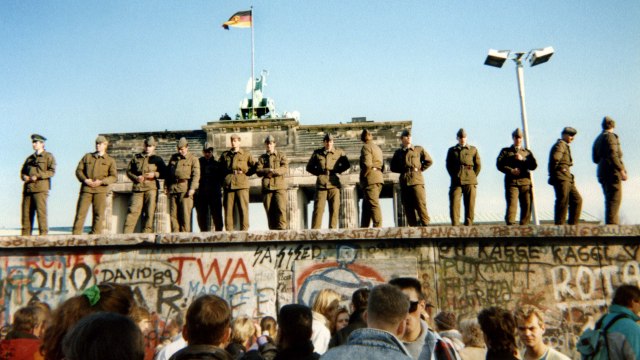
[110, 224]
[398, 209]
[293, 209]
[162, 220]
[349, 213]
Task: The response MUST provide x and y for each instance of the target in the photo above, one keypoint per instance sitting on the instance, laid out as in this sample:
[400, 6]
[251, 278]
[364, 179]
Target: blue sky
[72, 69]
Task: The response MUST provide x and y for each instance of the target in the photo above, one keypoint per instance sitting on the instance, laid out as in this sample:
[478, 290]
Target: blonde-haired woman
[325, 304]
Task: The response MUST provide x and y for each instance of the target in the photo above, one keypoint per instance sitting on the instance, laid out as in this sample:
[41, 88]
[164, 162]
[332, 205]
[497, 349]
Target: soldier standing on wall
[463, 165]
[209, 194]
[96, 171]
[371, 180]
[181, 184]
[36, 174]
[237, 165]
[560, 177]
[272, 167]
[326, 163]
[517, 162]
[410, 161]
[144, 170]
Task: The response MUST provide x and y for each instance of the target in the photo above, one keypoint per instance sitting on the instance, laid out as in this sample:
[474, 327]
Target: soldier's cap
[101, 139]
[461, 133]
[517, 133]
[37, 137]
[235, 136]
[405, 132]
[608, 123]
[269, 139]
[364, 134]
[151, 141]
[327, 137]
[208, 147]
[569, 131]
[182, 143]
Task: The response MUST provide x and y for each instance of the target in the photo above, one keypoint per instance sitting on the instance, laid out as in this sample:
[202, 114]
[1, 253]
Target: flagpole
[253, 78]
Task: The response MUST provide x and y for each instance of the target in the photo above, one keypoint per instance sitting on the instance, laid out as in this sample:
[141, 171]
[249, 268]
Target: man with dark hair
[371, 180]
[386, 318]
[611, 171]
[207, 330]
[209, 194]
[420, 341]
[359, 302]
[294, 333]
[567, 196]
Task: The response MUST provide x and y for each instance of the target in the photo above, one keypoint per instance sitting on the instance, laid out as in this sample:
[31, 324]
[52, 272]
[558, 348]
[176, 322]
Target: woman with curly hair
[499, 328]
[106, 297]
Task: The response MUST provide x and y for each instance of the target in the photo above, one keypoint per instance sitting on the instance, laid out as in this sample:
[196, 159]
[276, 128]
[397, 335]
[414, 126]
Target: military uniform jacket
[560, 162]
[96, 167]
[463, 165]
[43, 166]
[183, 174]
[507, 161]
[276, 161]
[237, 167]
[143, 164]
[608, 155]
[410, 163]
[371, 165]
[210, 176]
[326, 165]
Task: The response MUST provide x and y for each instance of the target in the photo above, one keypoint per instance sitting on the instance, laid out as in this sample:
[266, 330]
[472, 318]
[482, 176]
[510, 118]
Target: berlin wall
[567, 271]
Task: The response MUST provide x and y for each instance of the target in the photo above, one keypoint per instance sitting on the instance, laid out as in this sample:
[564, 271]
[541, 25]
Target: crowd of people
[220, 187]
[387, 321]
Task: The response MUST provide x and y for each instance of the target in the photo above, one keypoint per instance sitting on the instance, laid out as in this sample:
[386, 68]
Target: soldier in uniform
[272, 167]
[326, 163]
[410, 161]
[182, 181]
[611, 171]
[371, 180]
[96, 171]
[463, 166]
[560, 177]
[236, 165]
[517, 162]
[209, 194]
[36, 174]
[144, 170]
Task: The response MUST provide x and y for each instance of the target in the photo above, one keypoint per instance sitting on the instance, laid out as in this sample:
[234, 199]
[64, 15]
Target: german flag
[241, 19]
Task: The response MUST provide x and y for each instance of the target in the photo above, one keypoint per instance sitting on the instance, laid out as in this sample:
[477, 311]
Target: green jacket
[463, 165]
[42, 166]
[236, 167]
[326, 165]
[142, 164]
[560, 162]
[410, 163]
[507, 161]
[608, 155]
[95, 167]
[273, 168]
[183, 174]
[371, 165]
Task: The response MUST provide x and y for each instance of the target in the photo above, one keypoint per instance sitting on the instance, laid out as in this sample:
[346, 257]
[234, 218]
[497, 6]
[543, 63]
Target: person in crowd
[36, 174]
[611, 171]
[236, 165]
[463, 165]
[371, 180]
[104, 336]
[386, 321]
[567, 196]
[359, 301]
[105, 297]
[182, 181]
[326, 163]
[420, 341]
[325, 304]
[294, 333]
[410, 161]
[144, 170]
[207, 330]
[446, 325]
[141, 317]
[171, 340]
[22, 341]
[243, 335]
[531, 327]
[209, 195]
[269, 327]
[499, 328]
[95, 171]
[517, 163]
[42, 311]
[472, 336]
[339, 320]
[273, 167]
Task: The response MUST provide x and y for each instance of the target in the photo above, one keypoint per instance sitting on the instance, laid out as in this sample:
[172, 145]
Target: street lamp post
[497, 58]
